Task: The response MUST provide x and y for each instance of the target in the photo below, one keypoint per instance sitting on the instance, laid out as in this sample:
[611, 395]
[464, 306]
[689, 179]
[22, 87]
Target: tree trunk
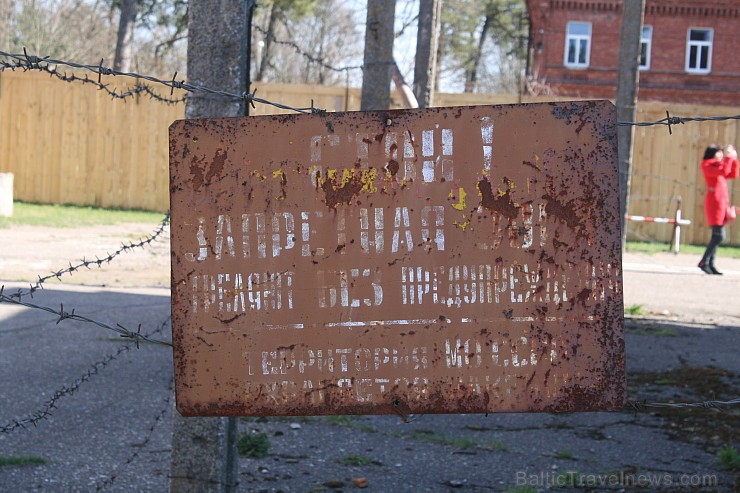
[627, 85]
[125, 39]
[425, 66]
[269, 36]
[471, 74]
[441, 43]
[204, 458]
[378, 61]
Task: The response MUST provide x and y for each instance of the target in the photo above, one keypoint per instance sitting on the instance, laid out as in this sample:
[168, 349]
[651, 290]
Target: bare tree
[308, 49]
[425, 66]
[125, 39]
[378, 60]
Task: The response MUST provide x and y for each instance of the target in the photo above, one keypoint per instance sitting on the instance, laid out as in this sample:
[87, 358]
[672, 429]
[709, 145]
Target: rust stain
[498, 201]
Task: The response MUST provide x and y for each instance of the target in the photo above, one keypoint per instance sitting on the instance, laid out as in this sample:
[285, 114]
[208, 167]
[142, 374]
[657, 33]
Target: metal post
[204, 458]
[677, 228]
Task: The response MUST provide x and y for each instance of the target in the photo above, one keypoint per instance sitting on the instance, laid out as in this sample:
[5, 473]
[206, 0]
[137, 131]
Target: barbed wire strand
[102, 485]
[84, 263]
[122, 331]
[679, 120]
[28, 62]
[131, 91]
[643, 405]
[46, 410]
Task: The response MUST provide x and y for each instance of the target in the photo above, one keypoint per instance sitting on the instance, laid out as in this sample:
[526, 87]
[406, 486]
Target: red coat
[717, 199]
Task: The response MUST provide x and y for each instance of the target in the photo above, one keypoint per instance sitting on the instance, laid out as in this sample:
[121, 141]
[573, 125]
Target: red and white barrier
[645, 219]
[677, 223]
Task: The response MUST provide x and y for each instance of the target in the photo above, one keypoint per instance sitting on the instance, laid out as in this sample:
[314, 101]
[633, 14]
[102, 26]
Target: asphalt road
[110, 424]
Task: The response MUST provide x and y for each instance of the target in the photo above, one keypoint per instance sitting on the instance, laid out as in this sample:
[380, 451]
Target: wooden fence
[68, 143]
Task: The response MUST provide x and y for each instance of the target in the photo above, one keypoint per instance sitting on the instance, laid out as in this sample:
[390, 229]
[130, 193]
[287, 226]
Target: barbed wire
[28, 62]
[45, 411]
[679, 120]
[122, 331]
[102, 485]
[643, 405]
[84, 263]
[131, 91]
[49, 65]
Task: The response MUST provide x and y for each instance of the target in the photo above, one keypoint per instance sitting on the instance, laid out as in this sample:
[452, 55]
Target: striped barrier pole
[677, 223]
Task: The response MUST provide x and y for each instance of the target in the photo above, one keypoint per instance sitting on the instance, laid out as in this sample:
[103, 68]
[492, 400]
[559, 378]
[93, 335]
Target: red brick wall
[666, 79]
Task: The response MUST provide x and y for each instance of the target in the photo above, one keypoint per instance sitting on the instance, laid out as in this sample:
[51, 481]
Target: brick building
[690, 49]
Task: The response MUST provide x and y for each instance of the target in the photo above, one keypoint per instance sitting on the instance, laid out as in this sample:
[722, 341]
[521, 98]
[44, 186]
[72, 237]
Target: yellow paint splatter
[278, 173]
[462, 225]
[461, 194]
[367, 178]
[258, 175]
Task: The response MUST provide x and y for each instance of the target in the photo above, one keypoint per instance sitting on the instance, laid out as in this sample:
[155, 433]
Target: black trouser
[718, 236]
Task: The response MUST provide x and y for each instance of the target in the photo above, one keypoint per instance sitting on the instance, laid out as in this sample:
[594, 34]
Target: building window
[646, 43]
[578, 44]
[699, 51]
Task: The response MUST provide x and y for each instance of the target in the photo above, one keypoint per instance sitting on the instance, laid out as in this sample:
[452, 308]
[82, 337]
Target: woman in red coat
[717, 166]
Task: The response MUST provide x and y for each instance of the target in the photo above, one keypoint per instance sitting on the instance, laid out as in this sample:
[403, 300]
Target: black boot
[714, 271]
[705, 268]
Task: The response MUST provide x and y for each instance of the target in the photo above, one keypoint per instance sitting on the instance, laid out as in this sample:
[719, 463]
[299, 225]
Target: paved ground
[110, 422]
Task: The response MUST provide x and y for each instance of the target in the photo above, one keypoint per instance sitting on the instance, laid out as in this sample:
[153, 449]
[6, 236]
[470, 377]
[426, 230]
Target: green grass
[521, 489]
[359, 460]
[696, 250]
[564, 454]
[729, 458]
[495, 445]
[431, 437]
[22, 461]
[634, 310]
[351, 422]
[255, 445]
[70, 216]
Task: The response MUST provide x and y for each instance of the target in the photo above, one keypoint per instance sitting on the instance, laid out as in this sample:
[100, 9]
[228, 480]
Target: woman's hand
[731, 151]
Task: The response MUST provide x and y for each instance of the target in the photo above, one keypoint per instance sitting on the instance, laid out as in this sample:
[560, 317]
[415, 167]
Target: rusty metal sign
[448, 260]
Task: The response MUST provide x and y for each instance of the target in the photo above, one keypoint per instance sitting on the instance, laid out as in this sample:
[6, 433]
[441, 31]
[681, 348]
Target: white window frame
[699, 45]
[577, 38]
[647, 41]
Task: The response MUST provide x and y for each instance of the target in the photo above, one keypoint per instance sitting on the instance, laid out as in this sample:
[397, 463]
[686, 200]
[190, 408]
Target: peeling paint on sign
[447, 260]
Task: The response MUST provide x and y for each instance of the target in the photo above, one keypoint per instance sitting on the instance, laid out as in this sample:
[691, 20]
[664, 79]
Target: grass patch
[359, 461]
[634, 310]
[697, 250]
[495, 445]
[254, 445]
[72, 216]
[351, 422]
[521, 489]
[431, 437]
[729, 458]
[22, 461]
[564, 454]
